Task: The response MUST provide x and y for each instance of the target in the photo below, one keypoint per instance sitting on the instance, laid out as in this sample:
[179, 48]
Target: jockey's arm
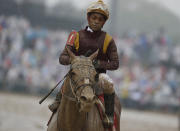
[64, 58]
[113, 60]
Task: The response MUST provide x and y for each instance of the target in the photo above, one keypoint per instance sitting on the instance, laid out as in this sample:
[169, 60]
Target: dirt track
[23, 113]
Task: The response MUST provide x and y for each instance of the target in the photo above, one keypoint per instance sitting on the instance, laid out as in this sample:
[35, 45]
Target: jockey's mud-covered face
[96, 21]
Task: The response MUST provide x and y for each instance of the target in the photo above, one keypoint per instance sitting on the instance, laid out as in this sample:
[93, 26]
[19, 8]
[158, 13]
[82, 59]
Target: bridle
[74, 85]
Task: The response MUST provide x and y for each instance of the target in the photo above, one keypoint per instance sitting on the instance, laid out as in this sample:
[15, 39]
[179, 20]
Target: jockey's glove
[96, 63]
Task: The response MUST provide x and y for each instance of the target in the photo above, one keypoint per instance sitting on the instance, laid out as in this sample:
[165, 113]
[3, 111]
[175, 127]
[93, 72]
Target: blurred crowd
[29, 55]
[149, 63]
[149, 74]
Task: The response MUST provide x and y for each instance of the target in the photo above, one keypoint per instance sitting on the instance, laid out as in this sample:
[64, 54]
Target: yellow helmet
[99, 7]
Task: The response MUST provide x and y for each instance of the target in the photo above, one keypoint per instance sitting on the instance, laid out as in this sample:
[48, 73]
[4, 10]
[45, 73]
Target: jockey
[89, 40]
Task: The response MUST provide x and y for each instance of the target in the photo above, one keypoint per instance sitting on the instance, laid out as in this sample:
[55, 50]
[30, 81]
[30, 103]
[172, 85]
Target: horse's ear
[71, 54]
[94, 55]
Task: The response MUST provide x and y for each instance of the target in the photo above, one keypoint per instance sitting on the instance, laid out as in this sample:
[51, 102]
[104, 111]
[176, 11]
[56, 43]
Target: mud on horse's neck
[70, 117]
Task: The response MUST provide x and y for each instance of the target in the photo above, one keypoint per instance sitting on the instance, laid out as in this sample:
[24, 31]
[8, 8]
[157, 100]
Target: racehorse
[78, 110]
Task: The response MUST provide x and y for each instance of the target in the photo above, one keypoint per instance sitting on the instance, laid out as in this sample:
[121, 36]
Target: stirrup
[108, 121]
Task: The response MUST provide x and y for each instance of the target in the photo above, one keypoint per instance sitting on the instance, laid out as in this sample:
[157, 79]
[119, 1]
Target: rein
[68, 97]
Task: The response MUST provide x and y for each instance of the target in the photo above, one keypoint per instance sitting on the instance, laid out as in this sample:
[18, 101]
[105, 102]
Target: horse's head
[82, 78]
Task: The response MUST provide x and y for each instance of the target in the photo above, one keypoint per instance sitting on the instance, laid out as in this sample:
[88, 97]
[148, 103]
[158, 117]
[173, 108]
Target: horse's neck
[70, 117]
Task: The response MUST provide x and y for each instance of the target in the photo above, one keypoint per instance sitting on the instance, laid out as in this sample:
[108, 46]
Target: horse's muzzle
[86, 103]
[86, 99]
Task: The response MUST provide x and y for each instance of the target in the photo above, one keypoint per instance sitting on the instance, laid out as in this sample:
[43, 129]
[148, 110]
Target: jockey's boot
[54, 106]
[109, 110]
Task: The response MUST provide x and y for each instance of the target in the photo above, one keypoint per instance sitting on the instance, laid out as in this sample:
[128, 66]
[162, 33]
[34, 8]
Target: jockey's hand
[96, 63]
[88, 53]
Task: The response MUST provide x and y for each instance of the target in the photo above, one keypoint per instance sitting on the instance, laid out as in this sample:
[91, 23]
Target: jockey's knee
[109, 90]
[106, 83]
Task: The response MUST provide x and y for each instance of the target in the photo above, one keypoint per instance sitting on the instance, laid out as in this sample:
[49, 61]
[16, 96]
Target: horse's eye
[73, 73]
[97, 77]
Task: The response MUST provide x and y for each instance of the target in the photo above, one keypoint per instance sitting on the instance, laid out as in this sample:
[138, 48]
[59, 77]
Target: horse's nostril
[83, 98]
